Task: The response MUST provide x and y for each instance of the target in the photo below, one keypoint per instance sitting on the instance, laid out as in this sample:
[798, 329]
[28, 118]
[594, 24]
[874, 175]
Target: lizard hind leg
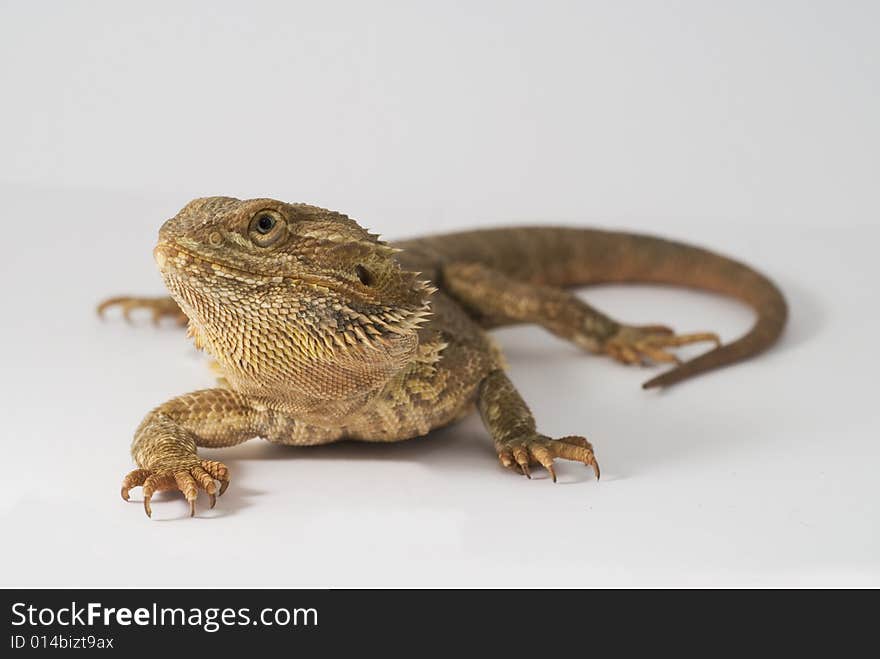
[159, 307]
[499, 299]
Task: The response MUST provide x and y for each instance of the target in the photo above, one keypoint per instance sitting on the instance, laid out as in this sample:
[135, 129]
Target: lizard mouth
[187, 275]
[171, 256]
[183, 261]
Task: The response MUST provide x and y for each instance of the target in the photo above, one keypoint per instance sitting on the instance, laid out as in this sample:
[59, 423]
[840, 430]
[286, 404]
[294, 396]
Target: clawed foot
[518, 454]
[160, 307]
[188, 481]
[638, 345]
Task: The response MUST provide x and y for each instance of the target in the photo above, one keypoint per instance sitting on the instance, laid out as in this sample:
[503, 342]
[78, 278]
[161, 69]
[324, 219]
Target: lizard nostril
[215, 238]
[364, 275]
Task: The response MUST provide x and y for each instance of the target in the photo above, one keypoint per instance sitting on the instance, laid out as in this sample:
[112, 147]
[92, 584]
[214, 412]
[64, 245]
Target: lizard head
[293, 301]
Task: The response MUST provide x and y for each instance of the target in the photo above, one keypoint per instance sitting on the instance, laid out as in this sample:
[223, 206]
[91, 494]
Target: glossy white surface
[750, 129]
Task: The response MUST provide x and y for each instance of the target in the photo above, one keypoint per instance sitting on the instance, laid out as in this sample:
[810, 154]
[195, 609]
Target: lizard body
[323, 332]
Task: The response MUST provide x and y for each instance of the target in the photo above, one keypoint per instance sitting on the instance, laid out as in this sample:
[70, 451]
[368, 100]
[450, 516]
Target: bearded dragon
[324, 332]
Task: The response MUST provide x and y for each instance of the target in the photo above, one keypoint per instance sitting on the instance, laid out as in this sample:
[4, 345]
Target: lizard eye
[265, 223]
[267, 227]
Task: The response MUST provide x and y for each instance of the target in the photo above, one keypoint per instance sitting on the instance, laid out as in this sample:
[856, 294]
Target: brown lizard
[323, 332]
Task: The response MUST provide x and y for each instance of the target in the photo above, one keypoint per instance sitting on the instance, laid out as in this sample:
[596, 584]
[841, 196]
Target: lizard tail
[578, 257]
[750, 287]
[647, 259]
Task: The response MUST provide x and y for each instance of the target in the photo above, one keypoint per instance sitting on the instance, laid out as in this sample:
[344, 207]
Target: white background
[748, 127]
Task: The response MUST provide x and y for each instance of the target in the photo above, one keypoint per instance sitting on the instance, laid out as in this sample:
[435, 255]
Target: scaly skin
[322, 332]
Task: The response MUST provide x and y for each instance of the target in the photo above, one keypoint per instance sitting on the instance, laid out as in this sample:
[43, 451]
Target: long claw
[192, 507]
[151, 485]
[545, 458]
[218, 471]
[213, 499]
[521, 455]
[133, 479]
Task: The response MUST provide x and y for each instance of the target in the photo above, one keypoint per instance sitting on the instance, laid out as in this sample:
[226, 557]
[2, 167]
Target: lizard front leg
[164, 445]
[497, 299]
[512, 426]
